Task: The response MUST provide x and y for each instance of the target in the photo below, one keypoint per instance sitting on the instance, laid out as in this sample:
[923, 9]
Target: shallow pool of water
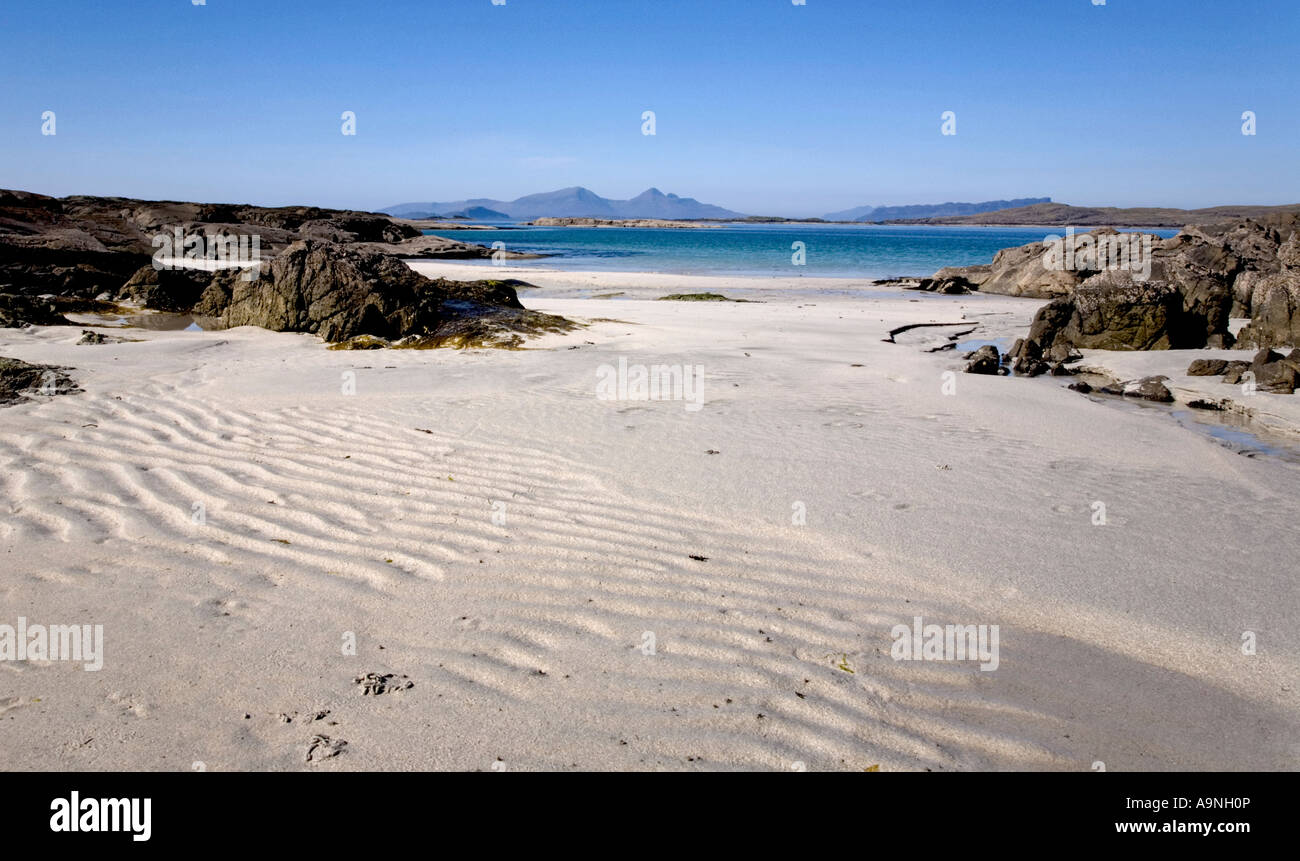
[1230, 429]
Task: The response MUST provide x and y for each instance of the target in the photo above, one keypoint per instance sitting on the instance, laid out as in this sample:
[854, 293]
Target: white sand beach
[491, 531]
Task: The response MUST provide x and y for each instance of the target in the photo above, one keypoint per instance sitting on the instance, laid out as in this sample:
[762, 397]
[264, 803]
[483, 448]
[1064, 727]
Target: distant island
[929, 210]
[616, 222]
[574, 202]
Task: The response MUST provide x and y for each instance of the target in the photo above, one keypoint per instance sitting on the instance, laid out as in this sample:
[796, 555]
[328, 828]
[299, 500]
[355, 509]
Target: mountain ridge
[572, 202]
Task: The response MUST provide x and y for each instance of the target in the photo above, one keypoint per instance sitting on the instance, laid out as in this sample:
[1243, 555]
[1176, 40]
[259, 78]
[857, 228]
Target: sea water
[869, 251]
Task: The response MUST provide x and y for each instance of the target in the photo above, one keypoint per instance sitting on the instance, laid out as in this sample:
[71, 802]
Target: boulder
[1274, 372]
[1109, 316]
[340, 292]
[1146, 388]
[94, 339]
[952, 285]
[174, 290]
[21, 381]
[985, 360]
[1207, 367]
[1233, 371]
[1062, 354]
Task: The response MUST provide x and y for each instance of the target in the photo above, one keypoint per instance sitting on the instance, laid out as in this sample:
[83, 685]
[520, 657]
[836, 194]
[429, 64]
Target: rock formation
[341, 293]
[87, 246]
[20, 381]
[1196, 283]
[19, 311]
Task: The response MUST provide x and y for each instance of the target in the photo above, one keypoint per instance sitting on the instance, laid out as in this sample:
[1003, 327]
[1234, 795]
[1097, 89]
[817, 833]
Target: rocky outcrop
[1243, 268]
[19, 311]
[1026, 270]
[21, 381]
[1107, 316]
[1274, 300]
[87, 246]
[174, 290]
[341, 293]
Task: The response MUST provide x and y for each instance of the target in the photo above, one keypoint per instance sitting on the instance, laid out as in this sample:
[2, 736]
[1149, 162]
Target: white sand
[329, 513]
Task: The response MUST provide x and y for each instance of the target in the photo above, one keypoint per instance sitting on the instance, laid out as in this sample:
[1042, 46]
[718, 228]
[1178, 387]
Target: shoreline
[639, 284]
[1273, 414]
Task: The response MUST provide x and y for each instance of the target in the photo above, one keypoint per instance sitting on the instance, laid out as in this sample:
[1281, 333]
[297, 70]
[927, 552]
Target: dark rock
[1207, 367]
[339, 293]
[1063, 354]
[506, 329]
[955, 285]
[1274, 373]
[1026, 357]
[1080, 387]
[21, 381]
[174, 290]
[1113, 312]
[695, 297]
[985, 360]
[89, 338]
[19, 311]
[1232, 371]
[85, 246]
[1106, 317]
[1147, 388]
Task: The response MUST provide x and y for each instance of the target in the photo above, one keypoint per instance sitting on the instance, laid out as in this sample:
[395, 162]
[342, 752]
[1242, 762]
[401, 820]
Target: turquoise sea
[831, 250]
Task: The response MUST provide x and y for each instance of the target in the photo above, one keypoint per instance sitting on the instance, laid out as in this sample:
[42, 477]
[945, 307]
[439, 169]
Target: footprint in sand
[374, 684]
[323, 747]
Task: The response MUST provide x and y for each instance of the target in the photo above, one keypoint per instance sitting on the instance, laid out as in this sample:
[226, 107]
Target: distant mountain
[477, 213]
[930, 210]
[576, 202]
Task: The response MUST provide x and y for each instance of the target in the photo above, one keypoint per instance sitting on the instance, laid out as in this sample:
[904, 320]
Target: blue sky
[762, 106]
